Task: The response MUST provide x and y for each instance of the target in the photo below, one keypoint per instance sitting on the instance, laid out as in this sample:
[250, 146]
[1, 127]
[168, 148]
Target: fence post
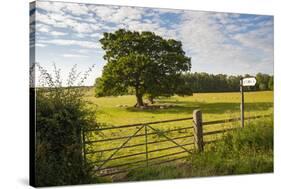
[198, 130]
[146, 148]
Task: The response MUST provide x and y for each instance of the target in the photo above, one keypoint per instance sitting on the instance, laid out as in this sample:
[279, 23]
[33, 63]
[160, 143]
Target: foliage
[264, 82]
[270, 83]
[249, 150]
[246, 151]
[61, 114]
[141, 60]
[204, 82]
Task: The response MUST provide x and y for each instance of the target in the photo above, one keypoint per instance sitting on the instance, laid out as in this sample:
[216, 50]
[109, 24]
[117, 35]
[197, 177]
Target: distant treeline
[204, 82]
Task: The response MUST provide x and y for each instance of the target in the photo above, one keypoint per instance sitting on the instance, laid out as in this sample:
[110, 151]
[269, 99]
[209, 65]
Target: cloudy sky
[68, 33]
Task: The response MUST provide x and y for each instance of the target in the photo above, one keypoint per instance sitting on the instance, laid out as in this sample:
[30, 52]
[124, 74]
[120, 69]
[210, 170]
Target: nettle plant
[61, 115]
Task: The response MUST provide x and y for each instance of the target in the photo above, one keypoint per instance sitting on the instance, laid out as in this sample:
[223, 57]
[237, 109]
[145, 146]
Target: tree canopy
[205, 82]
[142, 61]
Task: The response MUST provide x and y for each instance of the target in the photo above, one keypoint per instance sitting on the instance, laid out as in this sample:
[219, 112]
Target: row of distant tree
[204, 82]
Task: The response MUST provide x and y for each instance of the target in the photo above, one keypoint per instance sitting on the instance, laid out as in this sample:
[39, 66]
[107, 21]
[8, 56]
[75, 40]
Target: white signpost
[245, 82]
[249, 81]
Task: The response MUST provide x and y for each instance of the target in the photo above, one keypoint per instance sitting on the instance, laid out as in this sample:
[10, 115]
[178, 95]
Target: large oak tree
[142, 61]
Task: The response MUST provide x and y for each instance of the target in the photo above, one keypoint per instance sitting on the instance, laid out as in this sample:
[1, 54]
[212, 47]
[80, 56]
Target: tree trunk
[151, 99]
[139, 98]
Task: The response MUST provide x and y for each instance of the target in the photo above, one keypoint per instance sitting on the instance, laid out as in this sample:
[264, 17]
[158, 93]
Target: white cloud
[199, 34]
[258, 38]
[51, 7]
[97, 35]
[82, 51]
[40, 45]
[68, 42]
[76, 9]
[56, 33]
[48, 30]
[127, 13]
[104, 12]
[82, 27]
[67, 22]
[42, 28]
[74, 56]
[207, 38]
[49, 20]
[212, 39]
[122, 17]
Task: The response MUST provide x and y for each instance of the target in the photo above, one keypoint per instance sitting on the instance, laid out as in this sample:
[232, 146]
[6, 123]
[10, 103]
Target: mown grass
[213, 105]
[243, 151]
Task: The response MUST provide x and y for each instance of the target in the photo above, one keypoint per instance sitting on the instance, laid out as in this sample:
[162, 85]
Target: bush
[61, 114]
[244, 151]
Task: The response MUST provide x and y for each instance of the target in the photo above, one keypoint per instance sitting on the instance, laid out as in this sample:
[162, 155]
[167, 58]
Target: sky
[66, 34]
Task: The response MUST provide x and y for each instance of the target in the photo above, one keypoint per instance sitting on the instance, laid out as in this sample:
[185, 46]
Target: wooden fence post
[146, 148]
[198, 130]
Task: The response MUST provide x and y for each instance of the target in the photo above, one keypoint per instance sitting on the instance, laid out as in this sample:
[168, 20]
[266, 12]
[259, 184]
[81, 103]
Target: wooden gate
[111, 151]
[146, 145]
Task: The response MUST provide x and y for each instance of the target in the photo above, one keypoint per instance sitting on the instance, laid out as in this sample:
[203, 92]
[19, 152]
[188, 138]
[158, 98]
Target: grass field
[213, 105]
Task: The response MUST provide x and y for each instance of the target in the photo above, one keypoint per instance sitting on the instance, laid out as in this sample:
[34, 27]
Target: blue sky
[68, 33]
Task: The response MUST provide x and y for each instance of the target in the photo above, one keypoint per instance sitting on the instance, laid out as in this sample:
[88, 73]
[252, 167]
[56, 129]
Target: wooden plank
[171, 140]
[140, 135]
[146, 147]
[142, 161]
[139, 167]
[110, 157]
[211, 141]
[232, 120]
[141, 153]
[121, 157]
[138, 124]
[220, 131]
[141, 144]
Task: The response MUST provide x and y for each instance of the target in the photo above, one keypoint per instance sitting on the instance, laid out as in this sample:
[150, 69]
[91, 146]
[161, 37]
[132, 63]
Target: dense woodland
[204, 82]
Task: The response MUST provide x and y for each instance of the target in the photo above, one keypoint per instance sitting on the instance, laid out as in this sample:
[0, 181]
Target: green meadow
[213, 106]
[115, 111]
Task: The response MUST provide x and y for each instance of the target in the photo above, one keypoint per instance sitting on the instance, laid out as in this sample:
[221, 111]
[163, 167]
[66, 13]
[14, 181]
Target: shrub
[243, 151]
[61, 114]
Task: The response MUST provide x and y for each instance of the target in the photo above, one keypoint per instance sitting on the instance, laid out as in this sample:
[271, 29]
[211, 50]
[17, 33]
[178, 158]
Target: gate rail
[139, 127]
[198, 134]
